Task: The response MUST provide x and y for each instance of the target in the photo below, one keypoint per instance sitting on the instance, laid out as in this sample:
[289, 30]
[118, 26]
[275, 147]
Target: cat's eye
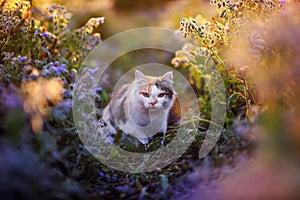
[161, 95]
[145, 94]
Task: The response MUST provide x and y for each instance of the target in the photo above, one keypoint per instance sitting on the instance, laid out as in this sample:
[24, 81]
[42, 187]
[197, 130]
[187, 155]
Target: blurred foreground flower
[255, 44]
[274, 68]
[38, 96]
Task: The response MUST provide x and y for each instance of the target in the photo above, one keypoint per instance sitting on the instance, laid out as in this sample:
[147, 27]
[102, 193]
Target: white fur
[158, 116]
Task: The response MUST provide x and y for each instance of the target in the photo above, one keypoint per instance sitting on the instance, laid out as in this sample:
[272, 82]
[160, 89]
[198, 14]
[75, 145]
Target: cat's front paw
[106, 131]
[143, 140]
[102, 123]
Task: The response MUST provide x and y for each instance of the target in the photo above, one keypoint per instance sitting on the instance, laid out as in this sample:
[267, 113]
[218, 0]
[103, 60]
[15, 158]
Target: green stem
[196, 118]
[219, 59]
[208, 121]
[4, 44]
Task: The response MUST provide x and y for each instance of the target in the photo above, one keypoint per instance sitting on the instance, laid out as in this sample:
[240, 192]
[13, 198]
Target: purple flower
[61, 68]
[46, 73]
[45, 34]
[56, 63]
[33, 77]
[100, 174]
[23, 59]
[98, 89]
[52, 69]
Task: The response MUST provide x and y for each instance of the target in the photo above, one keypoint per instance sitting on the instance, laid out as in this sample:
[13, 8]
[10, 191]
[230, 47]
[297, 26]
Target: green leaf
[221, 68]
[232, 99]
[113, 152]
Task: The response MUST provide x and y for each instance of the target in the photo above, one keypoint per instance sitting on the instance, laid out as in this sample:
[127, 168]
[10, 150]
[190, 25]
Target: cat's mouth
[153, 107]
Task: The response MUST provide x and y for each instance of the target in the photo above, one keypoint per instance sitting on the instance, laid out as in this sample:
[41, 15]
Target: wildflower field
[242, 56]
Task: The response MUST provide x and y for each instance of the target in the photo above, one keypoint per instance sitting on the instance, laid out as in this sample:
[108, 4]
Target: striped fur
[143, 108]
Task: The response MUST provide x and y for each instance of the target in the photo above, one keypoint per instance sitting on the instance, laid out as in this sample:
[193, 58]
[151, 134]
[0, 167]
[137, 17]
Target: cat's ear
[139, 76]
[168, 76]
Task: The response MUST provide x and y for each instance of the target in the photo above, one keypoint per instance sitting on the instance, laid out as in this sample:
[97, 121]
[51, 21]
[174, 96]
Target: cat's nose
[152, 103]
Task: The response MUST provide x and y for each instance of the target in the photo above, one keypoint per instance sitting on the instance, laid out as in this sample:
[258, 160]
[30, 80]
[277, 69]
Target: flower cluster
[212, 36]
[238, 9]
[83, 40]
[211, 40]
[208, 33]
[41, 54]
[31, 40]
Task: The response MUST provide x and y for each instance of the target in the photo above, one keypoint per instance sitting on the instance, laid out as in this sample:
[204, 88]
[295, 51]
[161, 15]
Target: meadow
[242, 55]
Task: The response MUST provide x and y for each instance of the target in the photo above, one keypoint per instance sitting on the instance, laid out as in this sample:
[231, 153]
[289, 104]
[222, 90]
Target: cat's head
[154, 92]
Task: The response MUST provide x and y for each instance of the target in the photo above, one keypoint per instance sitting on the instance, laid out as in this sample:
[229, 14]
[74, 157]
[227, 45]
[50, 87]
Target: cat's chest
[158, 117]
[156, 122]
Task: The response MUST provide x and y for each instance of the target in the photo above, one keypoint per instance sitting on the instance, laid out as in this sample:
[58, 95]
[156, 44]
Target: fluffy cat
[143, 108]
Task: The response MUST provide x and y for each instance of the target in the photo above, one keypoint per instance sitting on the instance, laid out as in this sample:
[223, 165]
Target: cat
[144, 107]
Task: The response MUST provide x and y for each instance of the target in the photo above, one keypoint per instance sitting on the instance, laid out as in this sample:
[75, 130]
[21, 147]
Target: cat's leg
[163, 131]
[106, 129]
[106, 124]
[144, 140]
